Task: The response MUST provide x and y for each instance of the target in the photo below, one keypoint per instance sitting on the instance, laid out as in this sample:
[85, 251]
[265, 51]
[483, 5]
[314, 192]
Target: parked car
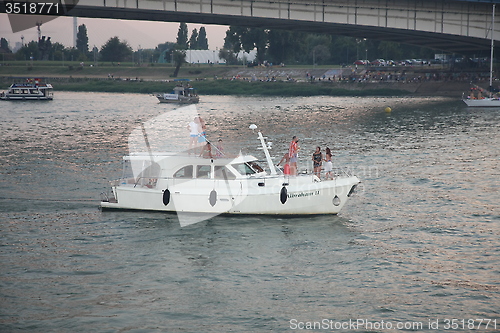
[361, 62]
[378, 62]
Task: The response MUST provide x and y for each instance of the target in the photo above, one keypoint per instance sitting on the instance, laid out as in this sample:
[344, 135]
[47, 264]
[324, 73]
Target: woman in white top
[328, 164]
[193, 128]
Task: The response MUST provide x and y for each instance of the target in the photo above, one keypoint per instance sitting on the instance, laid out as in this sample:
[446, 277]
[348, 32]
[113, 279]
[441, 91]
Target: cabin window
[203, 171]
[185, 172]
[244, 168]
[141, 172]
[221, 172]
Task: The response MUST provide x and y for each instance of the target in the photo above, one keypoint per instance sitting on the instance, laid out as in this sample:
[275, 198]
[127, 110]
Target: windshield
[244, 168]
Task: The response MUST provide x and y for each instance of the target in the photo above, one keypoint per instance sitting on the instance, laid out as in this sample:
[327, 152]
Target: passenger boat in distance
[180, 95]
[32, 89]
[189, 183]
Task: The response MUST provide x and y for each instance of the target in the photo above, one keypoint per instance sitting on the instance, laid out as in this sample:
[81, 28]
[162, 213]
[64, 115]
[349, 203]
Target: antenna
[266, 149]
[38, 25]
[75, 29]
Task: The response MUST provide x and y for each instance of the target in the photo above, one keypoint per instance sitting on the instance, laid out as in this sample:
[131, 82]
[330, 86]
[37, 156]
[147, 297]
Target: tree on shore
[45, 47]
[202, 39]
[82, 40]
[4, 46]
[229, 56]
[277, 46]
[179, 59]
[29, 51]
[58, 51]
[247, 39]
[115, 50]
[193, 40]
[182, 36]
[179, 52]
[283, 45]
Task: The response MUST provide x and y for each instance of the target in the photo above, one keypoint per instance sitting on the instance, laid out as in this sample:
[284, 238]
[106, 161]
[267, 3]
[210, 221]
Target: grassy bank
[226, 87]
[102, 70]
[214, 87]
[128, 78]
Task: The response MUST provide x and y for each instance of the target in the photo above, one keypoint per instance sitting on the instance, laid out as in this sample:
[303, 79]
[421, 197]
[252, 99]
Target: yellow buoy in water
[388, 109]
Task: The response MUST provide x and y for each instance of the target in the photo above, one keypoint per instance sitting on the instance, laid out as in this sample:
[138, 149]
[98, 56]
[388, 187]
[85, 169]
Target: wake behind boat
[32, 89]
[180, 182]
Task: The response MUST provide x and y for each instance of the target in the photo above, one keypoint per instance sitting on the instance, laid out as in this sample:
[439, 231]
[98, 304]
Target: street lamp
[357, 48]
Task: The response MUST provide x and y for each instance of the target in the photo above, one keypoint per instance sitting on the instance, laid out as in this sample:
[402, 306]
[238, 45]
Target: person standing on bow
[317, 159]
[293, 153]
[194, 130]
[328, 164]
[202, 131]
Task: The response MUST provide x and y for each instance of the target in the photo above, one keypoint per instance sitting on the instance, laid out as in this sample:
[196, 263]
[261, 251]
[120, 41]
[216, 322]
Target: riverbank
[239, 80]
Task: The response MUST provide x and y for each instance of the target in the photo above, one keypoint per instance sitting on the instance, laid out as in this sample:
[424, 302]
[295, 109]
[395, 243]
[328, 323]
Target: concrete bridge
[458, 26]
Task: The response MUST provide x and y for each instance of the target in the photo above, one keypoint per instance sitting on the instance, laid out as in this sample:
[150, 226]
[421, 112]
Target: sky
[138, 34]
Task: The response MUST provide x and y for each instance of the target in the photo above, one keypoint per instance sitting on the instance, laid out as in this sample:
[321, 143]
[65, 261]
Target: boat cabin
[155, 170]
[184, 91]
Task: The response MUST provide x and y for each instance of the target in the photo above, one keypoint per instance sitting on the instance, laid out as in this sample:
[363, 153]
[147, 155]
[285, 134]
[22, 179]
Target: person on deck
[286, 166]
[206, 151]
[293, 153]
[328, 164]
[193, 128]
[317, 159]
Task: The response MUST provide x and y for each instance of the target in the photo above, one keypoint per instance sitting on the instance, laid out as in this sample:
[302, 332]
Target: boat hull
[180, 100]
[301, 195]
[26, 98]
[485, 102]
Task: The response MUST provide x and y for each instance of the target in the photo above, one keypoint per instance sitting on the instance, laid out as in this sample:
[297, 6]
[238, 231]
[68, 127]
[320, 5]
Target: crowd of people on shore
[364, 76]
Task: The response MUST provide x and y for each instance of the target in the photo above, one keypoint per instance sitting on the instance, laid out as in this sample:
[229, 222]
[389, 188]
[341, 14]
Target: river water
[416, 247]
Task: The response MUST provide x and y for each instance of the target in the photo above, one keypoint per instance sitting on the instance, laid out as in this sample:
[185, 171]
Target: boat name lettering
[171, 96]
[303, 194]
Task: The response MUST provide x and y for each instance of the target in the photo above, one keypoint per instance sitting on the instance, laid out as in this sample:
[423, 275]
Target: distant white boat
[483, 102]
[477, 96]
[32, 89]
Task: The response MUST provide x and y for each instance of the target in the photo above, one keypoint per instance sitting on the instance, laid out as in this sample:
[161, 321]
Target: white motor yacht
[184, 182]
